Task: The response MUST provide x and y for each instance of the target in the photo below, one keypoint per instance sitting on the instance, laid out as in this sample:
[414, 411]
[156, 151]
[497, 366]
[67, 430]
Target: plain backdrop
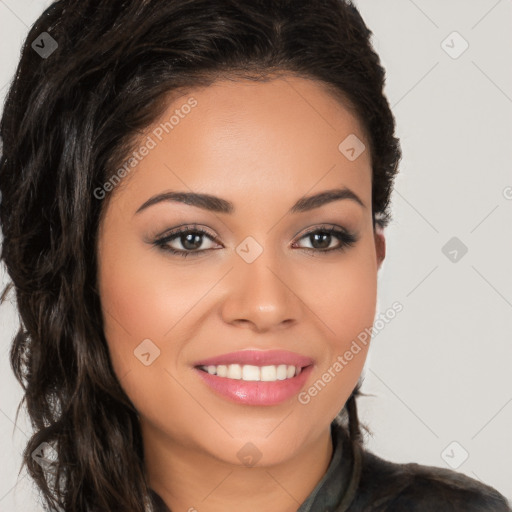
[440, 372]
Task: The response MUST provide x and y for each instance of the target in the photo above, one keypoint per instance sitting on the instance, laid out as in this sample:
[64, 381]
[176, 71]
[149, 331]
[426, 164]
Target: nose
[261, 295]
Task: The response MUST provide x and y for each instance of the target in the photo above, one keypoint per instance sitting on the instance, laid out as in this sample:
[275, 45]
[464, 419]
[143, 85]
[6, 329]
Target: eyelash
[346, 240]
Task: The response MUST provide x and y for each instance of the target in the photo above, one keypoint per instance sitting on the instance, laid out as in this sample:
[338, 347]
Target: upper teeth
[251, 372]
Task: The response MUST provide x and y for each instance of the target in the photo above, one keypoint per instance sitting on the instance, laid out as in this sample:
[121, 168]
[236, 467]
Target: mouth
[255, 377]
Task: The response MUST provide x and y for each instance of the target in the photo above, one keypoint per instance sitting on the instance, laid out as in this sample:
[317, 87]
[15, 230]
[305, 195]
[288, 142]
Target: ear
[380, 245]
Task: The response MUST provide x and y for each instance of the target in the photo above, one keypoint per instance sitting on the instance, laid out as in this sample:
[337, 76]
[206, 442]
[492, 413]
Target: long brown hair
[70, 117]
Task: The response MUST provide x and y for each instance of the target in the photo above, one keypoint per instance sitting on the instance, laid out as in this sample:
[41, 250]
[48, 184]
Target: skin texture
[263, 146]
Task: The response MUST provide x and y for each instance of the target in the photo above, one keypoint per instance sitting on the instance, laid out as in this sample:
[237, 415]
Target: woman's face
[259, 280]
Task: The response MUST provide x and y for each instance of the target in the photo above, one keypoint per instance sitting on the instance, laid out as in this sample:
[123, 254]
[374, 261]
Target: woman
[194, 197]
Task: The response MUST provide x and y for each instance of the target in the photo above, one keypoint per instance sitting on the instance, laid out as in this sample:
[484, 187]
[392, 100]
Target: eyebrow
[218, 205]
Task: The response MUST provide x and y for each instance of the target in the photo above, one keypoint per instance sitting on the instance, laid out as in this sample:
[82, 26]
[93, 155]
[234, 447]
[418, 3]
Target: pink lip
[256, 392]
[258, 358]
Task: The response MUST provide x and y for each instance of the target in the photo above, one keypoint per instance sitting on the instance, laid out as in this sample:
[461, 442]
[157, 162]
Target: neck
[189, 479]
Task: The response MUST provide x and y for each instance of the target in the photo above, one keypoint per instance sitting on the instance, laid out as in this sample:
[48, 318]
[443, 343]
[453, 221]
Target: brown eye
[190, 239]
[321, 239]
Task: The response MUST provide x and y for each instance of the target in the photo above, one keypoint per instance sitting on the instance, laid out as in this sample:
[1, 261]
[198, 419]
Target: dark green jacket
[359, 481]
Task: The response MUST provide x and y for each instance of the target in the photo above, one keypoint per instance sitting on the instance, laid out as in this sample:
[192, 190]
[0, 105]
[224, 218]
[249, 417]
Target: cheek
[138, 305]
[344, 299]
[352, 306]
[343, 294]
[144, 297]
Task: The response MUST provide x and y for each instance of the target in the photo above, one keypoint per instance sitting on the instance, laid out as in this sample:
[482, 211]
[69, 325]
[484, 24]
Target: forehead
[243, 138]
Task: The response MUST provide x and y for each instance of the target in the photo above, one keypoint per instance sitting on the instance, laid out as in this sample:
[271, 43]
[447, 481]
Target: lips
[258, 358]
[256, 392]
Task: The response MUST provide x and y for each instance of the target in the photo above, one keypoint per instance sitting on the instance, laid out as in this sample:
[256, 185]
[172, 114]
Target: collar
[337, 488]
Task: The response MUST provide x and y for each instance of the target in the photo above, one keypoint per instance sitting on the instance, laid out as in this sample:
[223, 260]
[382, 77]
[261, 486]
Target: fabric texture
[359, 481]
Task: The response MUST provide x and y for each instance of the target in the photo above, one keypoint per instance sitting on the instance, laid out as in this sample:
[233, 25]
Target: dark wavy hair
[69, 120]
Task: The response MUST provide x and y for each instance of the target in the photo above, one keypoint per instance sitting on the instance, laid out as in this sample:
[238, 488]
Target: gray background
[440, 371]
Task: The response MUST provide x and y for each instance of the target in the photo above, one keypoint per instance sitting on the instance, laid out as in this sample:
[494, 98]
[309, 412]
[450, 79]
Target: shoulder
[386, 486]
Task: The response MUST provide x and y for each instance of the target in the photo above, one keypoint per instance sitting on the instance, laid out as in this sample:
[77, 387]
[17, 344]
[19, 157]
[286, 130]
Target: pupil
[188, 241]
[326, 236]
